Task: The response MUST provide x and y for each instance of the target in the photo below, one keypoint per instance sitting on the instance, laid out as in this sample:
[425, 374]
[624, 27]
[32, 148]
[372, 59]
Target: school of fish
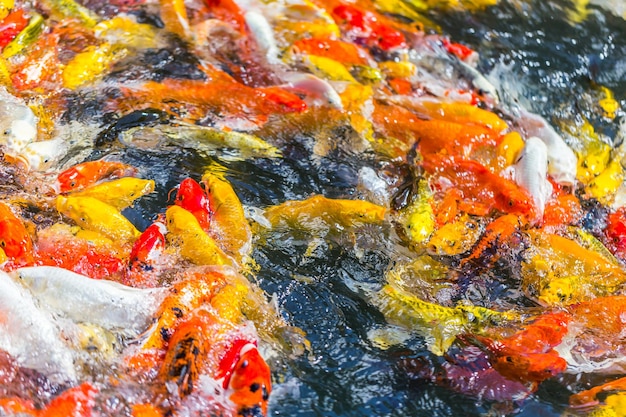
[487, 205]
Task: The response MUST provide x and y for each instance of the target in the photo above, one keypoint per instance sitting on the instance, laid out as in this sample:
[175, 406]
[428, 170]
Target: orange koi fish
[192, 198]
[496, 233]
[615, 232]
[480, 187]
[198, 288]
[88, 173]
[432, 136]
[80, 251]
[15, 240]
[365, 27]
[219, 96]
[146, 257]
[205, 344]
[76, 401]
[529, 355]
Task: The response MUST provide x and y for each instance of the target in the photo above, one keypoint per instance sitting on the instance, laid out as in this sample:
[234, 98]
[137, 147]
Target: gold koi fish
[93, 214]
[119, 193]
[319, 212]
[229, 225]
[193, 243]
[438, 324]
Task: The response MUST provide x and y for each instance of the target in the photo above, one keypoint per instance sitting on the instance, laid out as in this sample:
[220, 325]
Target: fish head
[14, 238]
[192, 198]
[515, 200]
[529, 366]
[149, 245]
[248, 377]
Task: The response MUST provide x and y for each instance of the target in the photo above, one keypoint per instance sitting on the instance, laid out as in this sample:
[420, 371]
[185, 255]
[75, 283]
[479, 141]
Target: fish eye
[244, 364]
[2, 243]
[511, 203]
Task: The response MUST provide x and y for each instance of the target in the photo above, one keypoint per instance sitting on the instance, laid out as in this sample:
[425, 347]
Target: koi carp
[218, 96]
[147, 257]
[336, 213]
[562, 162]
[88, 173]
[75, 401]
[457, 112]
[93, 214]
[227, 211]
[11, 25]
[455, 237]
[530, 172]
[192, 197]
[230, 356]
[193, 243]
[197, 289]
[338, 50]
[31, 335]
[84, 252]
[119, 193]
[529, 354]
[418, 218]
[26, 37]
[15, 241]
[91, 65]
[438, 324]
[594, 341]
[367, 28]
[478, 186]
[202, 138]
[105, 303]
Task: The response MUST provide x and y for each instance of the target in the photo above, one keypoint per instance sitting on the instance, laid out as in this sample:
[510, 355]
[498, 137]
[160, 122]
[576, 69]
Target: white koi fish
[562, 161]
[530, 172]
[31, 335]
[82, 299]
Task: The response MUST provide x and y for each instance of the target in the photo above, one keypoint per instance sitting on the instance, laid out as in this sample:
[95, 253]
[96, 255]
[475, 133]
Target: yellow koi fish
[70, 8]
[438, 324]
[192, 242]
[327, 68]
[119, 193]
[125, 31]
[604, 186]
[229, 225]
[455, 238]
[202, 138]
[93, 214]
[91, 64]
[457, 112]
[561, 271]
[418, 218]
[319, 212]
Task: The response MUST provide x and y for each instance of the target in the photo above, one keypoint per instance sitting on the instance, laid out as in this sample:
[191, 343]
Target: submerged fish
[203, 138]
[438, 324]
